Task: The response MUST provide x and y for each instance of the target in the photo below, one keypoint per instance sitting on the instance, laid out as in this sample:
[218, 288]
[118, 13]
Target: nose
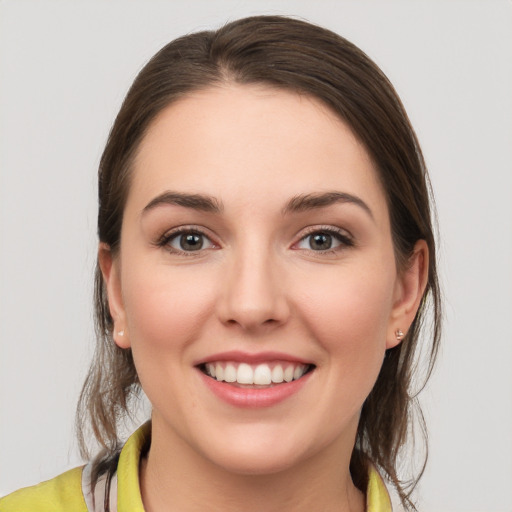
[253, 293]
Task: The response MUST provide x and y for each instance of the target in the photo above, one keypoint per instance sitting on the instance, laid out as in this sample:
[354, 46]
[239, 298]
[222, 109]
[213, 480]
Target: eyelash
[169, 236]
[345, 239]
[341, 236]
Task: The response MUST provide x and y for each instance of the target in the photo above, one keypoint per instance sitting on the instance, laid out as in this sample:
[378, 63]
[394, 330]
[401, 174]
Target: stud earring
[399, 334]
[120, 333]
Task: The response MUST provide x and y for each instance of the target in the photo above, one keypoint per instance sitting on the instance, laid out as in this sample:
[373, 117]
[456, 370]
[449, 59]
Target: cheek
[164, 306]
[348, 313]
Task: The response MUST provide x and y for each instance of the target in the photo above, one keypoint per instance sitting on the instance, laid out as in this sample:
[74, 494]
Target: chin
[263, 451]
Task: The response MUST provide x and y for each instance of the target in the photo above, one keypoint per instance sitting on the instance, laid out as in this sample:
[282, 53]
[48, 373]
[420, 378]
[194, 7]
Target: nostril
[251, 320]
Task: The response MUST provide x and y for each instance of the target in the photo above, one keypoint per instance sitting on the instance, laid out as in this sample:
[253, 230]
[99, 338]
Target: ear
[110, 269]
[409, 289]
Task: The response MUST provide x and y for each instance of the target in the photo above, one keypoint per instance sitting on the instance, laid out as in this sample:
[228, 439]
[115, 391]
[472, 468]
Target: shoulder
[60, 494]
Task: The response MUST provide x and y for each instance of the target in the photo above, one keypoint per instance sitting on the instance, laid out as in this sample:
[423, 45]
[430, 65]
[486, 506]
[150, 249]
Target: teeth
[277, 374]
[244, 374]
[288, 374]
[298, 372]
[230, 373]
[219, 372]
[210, 368]
[260, 375]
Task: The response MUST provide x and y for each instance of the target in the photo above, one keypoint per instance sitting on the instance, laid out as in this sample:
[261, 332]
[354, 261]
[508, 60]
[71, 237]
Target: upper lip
[251, 358]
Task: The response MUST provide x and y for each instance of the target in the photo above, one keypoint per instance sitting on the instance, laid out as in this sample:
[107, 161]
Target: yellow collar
[377, 496]
[128, 487]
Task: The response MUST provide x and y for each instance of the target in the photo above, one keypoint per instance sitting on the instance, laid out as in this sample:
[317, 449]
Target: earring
[399, 335]
[120, 333]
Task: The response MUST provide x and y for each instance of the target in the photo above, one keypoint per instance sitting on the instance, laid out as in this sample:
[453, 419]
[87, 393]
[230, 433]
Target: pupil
[321, 242]
[191, 242]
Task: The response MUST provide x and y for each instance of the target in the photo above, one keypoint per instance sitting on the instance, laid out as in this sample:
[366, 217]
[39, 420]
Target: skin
[257, 285]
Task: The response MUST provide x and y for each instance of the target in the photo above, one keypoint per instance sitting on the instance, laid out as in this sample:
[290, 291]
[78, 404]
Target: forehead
[236, 140]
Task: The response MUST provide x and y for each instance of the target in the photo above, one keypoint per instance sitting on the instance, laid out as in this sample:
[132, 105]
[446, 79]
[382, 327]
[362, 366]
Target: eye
[187, 241]
[324, 240]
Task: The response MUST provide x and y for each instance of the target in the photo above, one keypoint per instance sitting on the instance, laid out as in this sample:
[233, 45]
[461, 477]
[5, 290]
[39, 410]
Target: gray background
[65, 67]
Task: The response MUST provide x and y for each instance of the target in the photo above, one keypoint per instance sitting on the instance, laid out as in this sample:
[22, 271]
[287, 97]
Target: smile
[256, 381]
[262, 374]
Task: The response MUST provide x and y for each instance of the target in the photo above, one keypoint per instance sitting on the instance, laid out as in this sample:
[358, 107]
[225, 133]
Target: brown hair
[293, 55]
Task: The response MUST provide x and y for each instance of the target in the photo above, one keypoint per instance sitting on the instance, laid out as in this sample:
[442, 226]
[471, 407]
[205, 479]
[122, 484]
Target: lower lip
[252, 398]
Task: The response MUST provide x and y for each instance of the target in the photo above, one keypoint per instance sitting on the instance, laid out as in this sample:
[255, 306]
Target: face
[256, 281]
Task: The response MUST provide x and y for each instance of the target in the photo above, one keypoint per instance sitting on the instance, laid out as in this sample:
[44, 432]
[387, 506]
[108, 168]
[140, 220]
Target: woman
[265, 260]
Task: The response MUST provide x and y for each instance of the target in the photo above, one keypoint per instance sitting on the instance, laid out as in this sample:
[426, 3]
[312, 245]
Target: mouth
[254, 381]
[256, 376]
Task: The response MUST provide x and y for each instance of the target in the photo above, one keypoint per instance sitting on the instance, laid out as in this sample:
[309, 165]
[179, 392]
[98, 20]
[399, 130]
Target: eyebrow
[299, 203]
[305, 202]
[196, 201]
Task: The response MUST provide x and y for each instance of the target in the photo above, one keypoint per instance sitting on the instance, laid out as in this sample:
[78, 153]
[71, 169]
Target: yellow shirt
[67, 493]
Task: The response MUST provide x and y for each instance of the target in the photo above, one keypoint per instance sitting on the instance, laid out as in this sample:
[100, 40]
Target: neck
[320, 483]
